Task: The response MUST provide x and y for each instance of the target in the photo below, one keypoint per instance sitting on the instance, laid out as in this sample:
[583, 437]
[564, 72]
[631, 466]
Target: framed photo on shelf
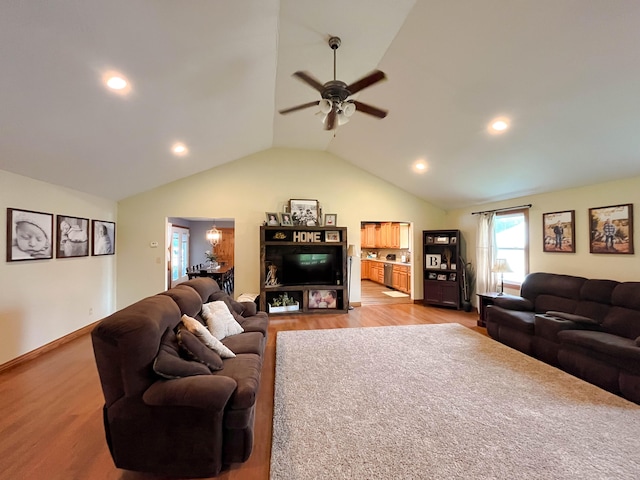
[332, 236]
[433, 276]
[611, 229]
[103, 241]
[285, 219]
[442, 276]
[429, 239]
[432, 260]
[272, 219]
[442, 240]
[558, 230]
[72, 237]
[452, 277]
[323, 299]
[330, 219]
[305, 212]
[454, 240]
[29, 235]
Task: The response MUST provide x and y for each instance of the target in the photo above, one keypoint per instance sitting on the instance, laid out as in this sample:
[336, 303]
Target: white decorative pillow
[219, 320]
[200, 331]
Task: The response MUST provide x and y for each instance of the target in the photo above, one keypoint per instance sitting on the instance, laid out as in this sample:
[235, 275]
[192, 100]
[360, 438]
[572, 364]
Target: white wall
[43, 300]
[581, 263]
[244, 190]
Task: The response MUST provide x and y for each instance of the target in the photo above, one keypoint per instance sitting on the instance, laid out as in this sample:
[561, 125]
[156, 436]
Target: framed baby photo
[611, 229]
[103, 240]
[29, 235]
[323, 299]
[332, 236]
[559, 232]
[72, 236]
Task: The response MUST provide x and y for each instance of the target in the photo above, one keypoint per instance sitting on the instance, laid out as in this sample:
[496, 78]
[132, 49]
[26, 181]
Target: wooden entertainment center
[303, 260]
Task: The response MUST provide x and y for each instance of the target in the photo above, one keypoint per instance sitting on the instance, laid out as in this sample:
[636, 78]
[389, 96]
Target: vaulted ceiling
[214, 73]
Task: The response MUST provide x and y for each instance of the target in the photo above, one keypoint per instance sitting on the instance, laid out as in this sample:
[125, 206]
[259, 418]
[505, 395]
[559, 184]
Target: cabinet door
[450, 294]
[432, 291]
[370, 235]
[364, 269]
[395, 235]
[395, 278]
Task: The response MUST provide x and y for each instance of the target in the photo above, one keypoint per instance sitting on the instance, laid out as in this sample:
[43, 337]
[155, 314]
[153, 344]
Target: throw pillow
[220, 322]
[573, 318]
[194, 349]
[205, 337]
[168, 363]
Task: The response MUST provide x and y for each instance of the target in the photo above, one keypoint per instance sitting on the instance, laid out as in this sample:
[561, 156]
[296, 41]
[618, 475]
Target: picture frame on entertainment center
[29, 235]
[272, 219]
[323, 299]
[285, 219]
[332, 236]
[304, 212]
[559, 232]
[330, 219]
[611, 229]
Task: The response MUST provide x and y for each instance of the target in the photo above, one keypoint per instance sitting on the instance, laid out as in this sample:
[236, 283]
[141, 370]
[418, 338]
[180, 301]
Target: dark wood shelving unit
[442, 286]
[276, 243]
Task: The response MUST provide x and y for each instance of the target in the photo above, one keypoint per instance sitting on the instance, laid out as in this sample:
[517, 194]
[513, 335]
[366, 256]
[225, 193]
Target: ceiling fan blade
[299, 107]
[309, 79]
[374, 77]
[369, 109]
[330, 122]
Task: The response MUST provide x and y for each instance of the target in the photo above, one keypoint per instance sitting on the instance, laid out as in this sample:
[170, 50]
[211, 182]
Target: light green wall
[43, 300]
[244, 190]
[582, 263]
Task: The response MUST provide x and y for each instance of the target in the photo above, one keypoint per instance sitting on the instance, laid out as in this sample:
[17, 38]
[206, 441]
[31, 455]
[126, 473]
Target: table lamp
[501, 266]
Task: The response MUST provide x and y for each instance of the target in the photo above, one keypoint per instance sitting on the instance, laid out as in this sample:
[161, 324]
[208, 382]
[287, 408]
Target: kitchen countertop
[380, 260]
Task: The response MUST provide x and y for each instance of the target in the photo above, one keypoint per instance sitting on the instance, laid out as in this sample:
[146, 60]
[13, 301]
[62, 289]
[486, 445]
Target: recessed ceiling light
[420, 166]
[179, 149]
[499, 125]
[116, 82]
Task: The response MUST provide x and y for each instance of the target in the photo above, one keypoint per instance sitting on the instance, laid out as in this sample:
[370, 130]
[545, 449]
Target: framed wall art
[304, 212]
[103, 241]
[558, 230]
[72, 236]
[611, 229]
[29, 235]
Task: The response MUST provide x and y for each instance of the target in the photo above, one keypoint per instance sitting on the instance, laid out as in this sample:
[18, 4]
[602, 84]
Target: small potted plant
[283, 303]
[468, 283]
[212, 258]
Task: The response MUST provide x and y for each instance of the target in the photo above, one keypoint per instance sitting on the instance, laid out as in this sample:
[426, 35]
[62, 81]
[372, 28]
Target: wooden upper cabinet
[385, 235]
[224, 250]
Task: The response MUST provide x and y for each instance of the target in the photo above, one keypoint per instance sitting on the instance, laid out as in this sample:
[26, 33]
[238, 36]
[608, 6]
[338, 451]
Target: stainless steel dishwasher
[388, 274]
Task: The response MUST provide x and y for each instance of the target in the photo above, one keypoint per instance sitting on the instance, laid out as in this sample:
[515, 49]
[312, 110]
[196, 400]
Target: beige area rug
[394, 294]
[439, 402]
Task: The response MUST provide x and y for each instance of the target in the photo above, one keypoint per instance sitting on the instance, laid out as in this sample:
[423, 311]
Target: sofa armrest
[249, 310]
[211, 392]
[513, 302]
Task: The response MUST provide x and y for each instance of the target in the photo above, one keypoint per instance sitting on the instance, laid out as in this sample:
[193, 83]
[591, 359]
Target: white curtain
[485, 253]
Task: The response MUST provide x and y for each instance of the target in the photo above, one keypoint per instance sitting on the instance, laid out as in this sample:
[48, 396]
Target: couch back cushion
[187, 299]
[205, 286]
[545, 303]
[624, 317]
[595, 299]
[126, 343]
[551, 285]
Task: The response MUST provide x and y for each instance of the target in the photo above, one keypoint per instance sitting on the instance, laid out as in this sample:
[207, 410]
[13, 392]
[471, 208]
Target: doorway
[179, 257]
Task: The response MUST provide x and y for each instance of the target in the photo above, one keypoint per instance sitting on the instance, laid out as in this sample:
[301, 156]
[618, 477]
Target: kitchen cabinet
[369, 236]
[385, 235]
[401, 278]
[364, 269]
[376, 272]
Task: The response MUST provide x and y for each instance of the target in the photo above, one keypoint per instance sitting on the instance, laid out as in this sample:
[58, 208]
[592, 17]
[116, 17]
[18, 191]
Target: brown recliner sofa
[191, 426]
[589, 328]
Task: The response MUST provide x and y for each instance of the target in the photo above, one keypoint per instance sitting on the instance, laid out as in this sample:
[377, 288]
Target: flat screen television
[308, 269]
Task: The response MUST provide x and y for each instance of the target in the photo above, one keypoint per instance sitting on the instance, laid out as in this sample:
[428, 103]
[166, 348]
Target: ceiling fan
[335, 103]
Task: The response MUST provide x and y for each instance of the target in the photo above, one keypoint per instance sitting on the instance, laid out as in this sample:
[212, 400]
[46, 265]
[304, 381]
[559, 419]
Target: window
[511, 230]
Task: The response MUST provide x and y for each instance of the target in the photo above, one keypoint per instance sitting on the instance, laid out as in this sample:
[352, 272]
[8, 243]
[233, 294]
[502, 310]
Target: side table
[484, 300]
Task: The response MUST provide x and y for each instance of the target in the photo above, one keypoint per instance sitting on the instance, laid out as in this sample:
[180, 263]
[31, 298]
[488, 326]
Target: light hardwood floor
[371, 294]
[51, 424]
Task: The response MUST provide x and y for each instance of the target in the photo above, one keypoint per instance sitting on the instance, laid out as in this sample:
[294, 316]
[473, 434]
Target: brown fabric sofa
[589, 328]
[191, 426]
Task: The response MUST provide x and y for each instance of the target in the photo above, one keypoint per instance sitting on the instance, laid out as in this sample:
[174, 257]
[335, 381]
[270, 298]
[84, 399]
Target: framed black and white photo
[29, 235]
[72, 236]
[304, 212]
[103, 240]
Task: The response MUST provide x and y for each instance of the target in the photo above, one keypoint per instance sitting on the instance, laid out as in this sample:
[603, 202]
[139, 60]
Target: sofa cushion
[220, 321]
[169, 364]
[622, 321]
[513, 319]
[606, 343]
[235, 307]
[627, 295]
[205, 337]
[548, 326]
[545, 302]
[245, 370]
[194, 349]
[247, 342]
[638, 341]
[573, 318]
[186, 298]
[513, 302]
[256, 323]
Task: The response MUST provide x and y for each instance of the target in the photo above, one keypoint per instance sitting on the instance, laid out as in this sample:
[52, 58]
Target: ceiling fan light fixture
[342, 118]
[348, 109]
[325, 106]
